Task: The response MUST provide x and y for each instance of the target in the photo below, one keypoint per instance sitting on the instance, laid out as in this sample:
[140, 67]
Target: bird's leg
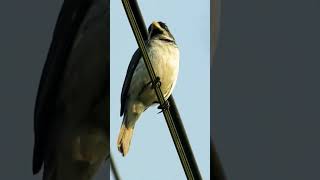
[154, 84]
[165, 105]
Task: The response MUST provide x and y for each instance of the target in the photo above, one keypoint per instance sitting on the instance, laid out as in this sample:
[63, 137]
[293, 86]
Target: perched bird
[137, 92]
[71, 118]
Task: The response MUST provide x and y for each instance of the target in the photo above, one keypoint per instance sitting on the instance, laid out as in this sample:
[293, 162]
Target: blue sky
[152, 154]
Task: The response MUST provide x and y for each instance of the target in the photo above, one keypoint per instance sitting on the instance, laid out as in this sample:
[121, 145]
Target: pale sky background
[152, 154]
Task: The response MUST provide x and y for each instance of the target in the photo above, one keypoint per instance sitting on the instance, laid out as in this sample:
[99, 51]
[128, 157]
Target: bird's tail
[124, 138]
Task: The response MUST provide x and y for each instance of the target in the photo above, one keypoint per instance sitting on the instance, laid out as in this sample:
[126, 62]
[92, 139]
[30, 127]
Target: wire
[114, 168]
[155, 82]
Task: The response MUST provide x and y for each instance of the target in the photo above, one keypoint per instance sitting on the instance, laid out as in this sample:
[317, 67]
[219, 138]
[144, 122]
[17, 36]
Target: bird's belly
[165, 63]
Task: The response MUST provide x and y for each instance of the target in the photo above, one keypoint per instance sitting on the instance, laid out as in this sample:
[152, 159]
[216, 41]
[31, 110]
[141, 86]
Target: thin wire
[158, 90]
[114, 168]
[166, 112]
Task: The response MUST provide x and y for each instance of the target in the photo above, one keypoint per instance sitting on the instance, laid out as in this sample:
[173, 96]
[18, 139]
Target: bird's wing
[126, 85]
[68, 23]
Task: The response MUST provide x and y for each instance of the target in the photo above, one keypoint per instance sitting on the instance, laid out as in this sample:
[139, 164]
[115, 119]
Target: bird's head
[159, 30]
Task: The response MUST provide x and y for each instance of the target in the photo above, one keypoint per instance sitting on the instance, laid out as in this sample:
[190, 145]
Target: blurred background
[25, 37]
[265, 89]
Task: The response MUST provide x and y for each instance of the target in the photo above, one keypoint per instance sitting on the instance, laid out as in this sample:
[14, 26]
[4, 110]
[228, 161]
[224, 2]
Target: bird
[71, 117]
[137, 93]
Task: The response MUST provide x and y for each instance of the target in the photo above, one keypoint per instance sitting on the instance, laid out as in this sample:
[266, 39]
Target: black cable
[171, 114]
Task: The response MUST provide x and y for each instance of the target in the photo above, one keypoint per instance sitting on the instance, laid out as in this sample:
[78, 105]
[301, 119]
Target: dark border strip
[215, 25]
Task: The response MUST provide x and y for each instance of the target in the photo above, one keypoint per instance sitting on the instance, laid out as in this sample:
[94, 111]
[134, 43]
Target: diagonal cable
[171, 125]
[114, 168]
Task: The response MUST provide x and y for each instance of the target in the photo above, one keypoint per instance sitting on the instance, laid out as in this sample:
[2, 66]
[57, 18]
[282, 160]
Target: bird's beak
[156, 29]
[156, 25]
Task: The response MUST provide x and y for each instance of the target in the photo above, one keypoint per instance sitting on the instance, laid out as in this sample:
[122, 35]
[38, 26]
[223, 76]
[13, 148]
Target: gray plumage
[137, 92]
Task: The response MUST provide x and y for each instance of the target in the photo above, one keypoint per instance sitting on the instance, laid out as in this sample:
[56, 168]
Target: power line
[171, 113]
[114, 168]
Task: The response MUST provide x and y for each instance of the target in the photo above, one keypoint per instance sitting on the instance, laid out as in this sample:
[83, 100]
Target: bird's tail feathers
[124, 138]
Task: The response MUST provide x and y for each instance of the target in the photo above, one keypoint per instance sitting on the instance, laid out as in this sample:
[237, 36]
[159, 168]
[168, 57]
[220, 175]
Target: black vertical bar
[215, 23]
[173, 108]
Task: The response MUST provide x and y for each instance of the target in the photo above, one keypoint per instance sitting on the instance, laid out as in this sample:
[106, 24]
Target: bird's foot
[156, 83]
[165, 105]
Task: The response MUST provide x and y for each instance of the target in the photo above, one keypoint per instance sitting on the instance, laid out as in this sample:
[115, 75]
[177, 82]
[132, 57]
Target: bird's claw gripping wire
[156, 83]
[165, 105]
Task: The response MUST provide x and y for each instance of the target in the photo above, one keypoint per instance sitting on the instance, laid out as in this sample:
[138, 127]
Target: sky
[152, 154]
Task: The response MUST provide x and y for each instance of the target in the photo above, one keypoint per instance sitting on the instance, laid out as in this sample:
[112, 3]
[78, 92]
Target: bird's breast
[165, 60]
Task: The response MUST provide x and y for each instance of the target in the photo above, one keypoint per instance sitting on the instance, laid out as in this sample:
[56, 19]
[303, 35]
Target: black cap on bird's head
[159, 30]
